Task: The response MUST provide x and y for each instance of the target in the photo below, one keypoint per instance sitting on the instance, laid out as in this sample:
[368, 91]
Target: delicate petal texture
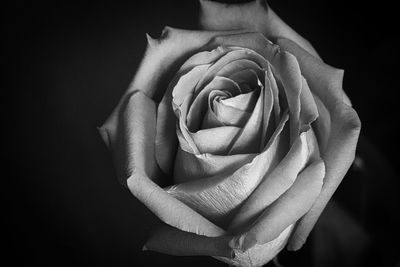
[199, 105]
[293, 204]
[273, 185]
[161, 58]
[261, 135]
[249, 138]
[258, 255]
[290, 75]
[243, 102]
[216, 196]
[190, 167]
[326, 83]
[253, 16]
[133, 151]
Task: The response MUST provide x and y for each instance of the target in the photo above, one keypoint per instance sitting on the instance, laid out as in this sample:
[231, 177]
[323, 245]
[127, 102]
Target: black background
[67, 64]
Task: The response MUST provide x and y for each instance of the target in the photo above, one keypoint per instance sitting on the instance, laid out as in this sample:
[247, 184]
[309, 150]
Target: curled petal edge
[345, 125]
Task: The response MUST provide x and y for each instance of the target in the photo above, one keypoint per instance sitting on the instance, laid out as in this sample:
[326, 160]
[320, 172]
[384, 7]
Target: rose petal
[169, 240]
[211, 120]
[238, 65]
[162, 58]
[268, 126]
[132, 144]
[198, 107]
[322, 124]
[166, 140]
[165, 55]
[215, 141]
[308, 107]
[275, 93]
[227, 115]
[247, 79]
[286, 210]
[203, 58]
[186, 84]
[254, 15]
[216, 196]
[248, 139]
[286, 65]
[290, 76]
[273, 185]
[232, 62]
[259, 254]
[326, 83]
[190, 167]
[243, 102]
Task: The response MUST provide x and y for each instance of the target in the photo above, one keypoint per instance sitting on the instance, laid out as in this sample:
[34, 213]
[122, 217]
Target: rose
[257, 135]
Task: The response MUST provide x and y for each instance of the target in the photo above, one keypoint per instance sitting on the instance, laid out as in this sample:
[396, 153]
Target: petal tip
[295, 245]
[242, 242]
[104, 134]
[150, 40]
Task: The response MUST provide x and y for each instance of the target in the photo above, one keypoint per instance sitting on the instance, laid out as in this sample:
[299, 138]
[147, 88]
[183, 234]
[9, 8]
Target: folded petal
[308, 107]
[274, 184]
[322, 124]
[268, 125]
[239, 58]
[219, 114]
[172, 241]
[243, 102]
[183, 84]
[132, 145]
[248, 139]
[215, 140]
[270, 79]
[326, 82]
[190, 167]
[290, 76]
[246, 77]
[186, 84]
[258, 255]
[286, 210]
[284, 63]
[198, 107]
[216, 196]
[162, 59]
[253, 15]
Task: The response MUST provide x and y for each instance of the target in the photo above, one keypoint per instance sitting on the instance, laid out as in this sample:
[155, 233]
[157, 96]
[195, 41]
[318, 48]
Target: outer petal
[254, 15]
[292, 205]
[162, 59]
[273, 186]
[326, 83]
[132, 145]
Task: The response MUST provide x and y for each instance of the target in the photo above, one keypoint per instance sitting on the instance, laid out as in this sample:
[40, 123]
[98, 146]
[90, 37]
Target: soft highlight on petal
[216, 196]
[287, 209]
[132, 144]
[344, 129]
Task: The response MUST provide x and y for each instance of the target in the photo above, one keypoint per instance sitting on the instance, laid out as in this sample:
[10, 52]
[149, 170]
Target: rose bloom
[252, 125]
